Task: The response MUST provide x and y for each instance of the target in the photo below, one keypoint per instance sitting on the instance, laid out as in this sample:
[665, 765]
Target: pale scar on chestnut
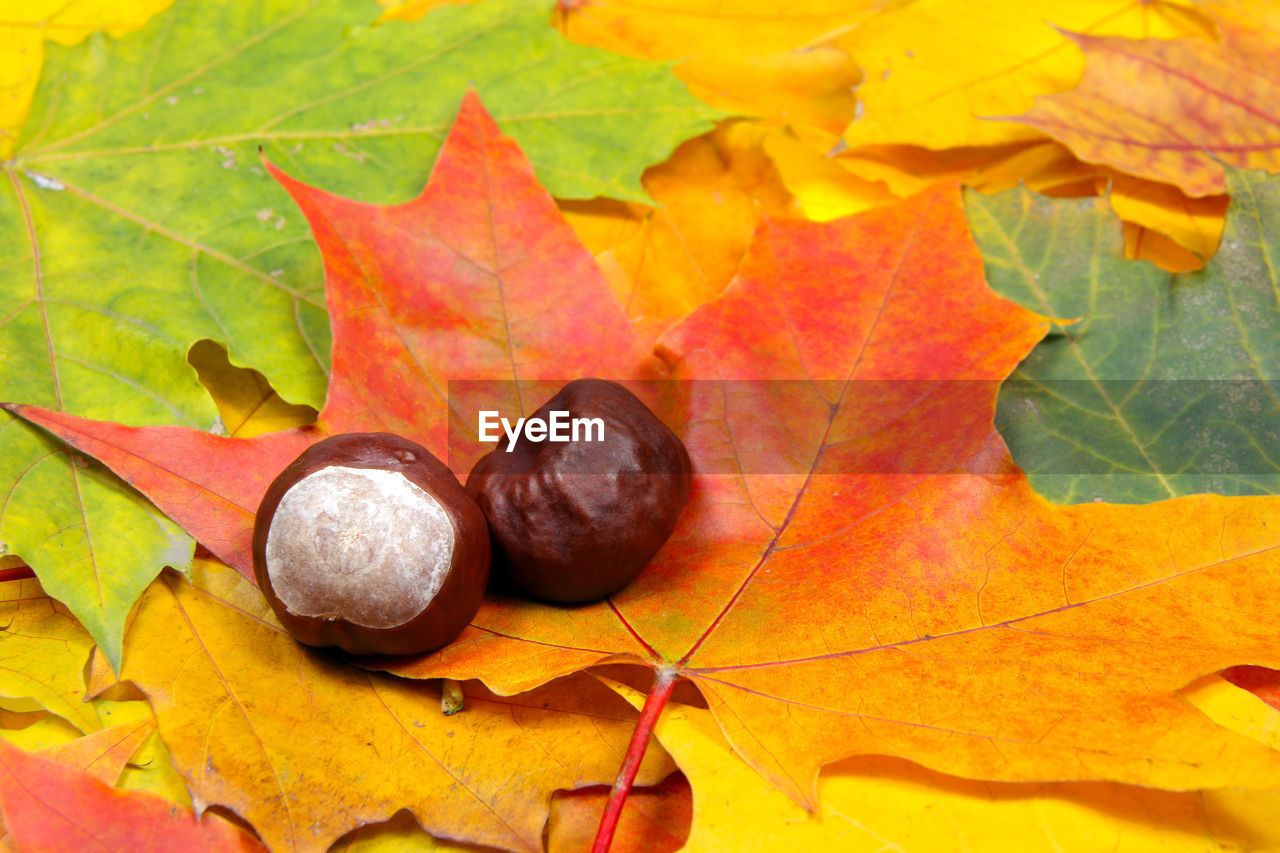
[369, 543]
[360, 543]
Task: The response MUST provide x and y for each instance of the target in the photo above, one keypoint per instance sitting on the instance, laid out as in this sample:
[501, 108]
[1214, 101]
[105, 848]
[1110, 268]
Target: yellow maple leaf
[1171, 111]
[666, 259]
[1194, 225]
[306, 747]
[877, 803]
[752, 58]
[43, 653]
[823, 186]
[936, 72]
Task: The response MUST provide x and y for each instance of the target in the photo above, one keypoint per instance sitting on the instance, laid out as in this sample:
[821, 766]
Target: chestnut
[368, 542]
[574, 521]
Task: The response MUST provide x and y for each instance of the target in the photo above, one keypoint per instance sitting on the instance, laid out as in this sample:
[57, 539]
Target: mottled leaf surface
[935, 78]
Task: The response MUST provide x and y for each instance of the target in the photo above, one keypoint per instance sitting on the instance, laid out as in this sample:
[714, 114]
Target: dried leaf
[43, 651]
[306, 748]
[879, 803]
[48, 805]
[1167, 111]
[936, 73]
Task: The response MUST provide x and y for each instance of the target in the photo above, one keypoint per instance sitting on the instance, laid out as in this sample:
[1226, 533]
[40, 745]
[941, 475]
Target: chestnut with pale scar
[369, 543]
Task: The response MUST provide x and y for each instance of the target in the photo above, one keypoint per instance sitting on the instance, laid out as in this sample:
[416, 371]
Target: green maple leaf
[1167, 384]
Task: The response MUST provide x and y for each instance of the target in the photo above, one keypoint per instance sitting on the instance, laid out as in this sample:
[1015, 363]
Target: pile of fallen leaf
[971, 319]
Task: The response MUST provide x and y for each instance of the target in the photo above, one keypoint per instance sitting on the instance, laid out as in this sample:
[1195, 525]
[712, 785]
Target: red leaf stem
[659, 694]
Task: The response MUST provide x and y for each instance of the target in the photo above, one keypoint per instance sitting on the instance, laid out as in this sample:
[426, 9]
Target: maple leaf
[247, 404]
[876, 803]
[935, 75]
[1170, 111]
[49, 805]
[101, 755]
[933, 72]
[922, 60]
[656, 819]
[478, 278]
[305, 748]
[666, 259]
[43, 652]
[1186, 404]
[1164, 225]
[898, 589]
[472, 250]
[745, 57]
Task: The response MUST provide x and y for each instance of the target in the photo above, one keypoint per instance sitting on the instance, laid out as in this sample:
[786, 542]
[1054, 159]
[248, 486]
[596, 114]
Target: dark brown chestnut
[369, 543]
[574, 521]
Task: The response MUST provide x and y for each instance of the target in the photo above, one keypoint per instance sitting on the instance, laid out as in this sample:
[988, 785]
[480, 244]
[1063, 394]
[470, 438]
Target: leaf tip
[471, 104]
[272, 169]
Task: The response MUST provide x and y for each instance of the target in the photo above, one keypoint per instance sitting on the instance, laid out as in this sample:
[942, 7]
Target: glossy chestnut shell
[353, 529]
[576, 521]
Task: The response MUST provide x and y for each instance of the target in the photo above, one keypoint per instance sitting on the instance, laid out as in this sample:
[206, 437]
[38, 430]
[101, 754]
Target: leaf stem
[659, 694]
